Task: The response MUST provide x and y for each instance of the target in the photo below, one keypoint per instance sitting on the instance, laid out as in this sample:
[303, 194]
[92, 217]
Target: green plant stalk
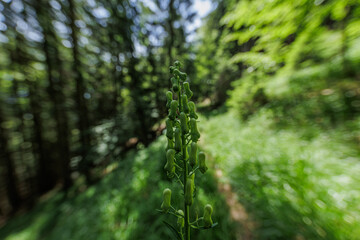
[179, 114]
[186, 207]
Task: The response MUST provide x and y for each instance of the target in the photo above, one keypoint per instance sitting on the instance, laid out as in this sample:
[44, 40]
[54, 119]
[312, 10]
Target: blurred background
[82, 106]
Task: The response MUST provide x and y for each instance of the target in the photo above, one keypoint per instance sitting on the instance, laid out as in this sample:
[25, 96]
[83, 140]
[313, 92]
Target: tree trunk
[171, 31]
[43, 177]
[55, 79]
[82, 111]
[6, 157]
[142, 130]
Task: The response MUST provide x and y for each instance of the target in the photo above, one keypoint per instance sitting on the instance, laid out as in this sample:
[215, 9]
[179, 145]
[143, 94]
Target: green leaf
[173, 230]
[205, 228]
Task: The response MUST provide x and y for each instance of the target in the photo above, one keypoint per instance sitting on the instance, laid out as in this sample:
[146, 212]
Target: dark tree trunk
[44, 170]
[172, 14]
[6, 157]
[55, 79]
[142, 129]
[82, 111]
[24, 184]
[158, 84]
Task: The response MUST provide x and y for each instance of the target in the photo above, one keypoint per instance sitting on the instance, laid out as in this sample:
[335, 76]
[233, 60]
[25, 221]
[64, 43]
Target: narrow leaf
[173, 230]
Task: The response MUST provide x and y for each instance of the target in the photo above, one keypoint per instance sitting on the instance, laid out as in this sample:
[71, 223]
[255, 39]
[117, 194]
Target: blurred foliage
[303, 60]
[70, 72]
[287, 70]
[295, 183]
[121, 206]
[294, 158]
[214, 73]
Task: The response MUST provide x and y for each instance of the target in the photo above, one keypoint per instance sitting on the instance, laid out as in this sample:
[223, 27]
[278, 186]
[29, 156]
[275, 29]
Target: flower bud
[184, 122]
[188, 92]
[178, 143]
[166, 204]
[193, 154]
[189, 190]
[173, 109]
[170, 144]
[192, 108]
[184, 102]
[175, 84]
[177, 64]
[169, 98]
[169, 129]
[183, 76]
[176, 72]
[175, 87]
[170, 163]
[195, 135]
[202, 165]
[180, 221]
[208, 222]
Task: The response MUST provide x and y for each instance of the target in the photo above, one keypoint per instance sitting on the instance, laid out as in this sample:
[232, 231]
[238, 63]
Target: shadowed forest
[83, 106]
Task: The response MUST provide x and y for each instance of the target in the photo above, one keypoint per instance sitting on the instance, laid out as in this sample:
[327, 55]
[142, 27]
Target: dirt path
[244, 226]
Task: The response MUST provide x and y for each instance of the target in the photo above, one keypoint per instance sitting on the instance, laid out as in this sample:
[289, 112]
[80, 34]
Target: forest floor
[121, 206]
[239, 215]
[274, 183]
[294, 182]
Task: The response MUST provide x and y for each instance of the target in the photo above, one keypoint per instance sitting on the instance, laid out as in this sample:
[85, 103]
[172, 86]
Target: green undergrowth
[295, 182]
[299, 182]
[121, 206]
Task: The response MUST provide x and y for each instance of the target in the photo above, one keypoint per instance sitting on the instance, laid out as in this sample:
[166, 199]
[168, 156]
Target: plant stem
[193, 171]
[186, 207]
[187, 217]
[178, 177]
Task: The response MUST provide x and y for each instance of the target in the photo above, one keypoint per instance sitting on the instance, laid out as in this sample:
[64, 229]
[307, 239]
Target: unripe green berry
[184, 122]
[192, 108]
[208, 222]
[195, 135]
[193, 154]
[178, 143]
[170, 163]
[180, 221]
[184, 102]
[173, 109]
[169, 129]
[202, 165]
[166, 204]
[188, 92]
[189, 190]
[169, 97]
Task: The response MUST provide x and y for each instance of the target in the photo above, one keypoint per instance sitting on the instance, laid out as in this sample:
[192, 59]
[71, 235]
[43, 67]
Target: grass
[122, 206]
[296, 182]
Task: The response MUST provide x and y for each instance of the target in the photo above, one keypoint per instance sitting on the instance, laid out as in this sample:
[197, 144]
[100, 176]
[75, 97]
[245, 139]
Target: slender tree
[8, 161]
[55, 77]
[81, 107]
